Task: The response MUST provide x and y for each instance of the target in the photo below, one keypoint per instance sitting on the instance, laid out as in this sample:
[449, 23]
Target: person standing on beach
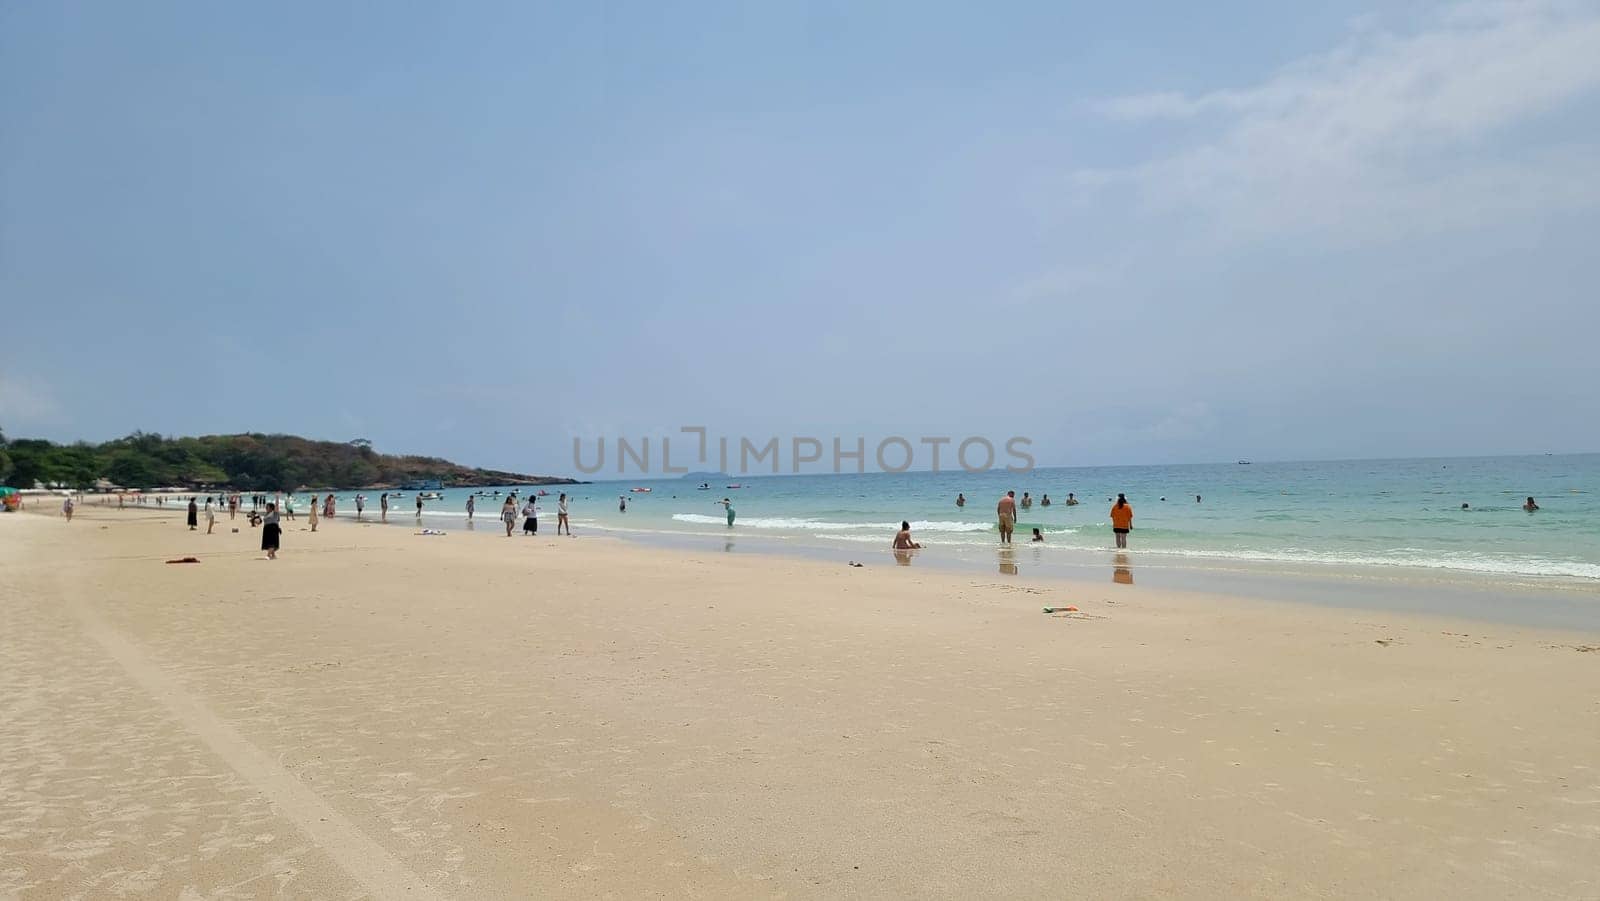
[329, 506]
[726, 502]
[361, 505]
[1006, 510]
[561, 515]
[233, 505]
[530, 518]
[270, 532]
[472, 505]
[194, 515]
[1121, 520]
[211, 516]
[312, 516]
[508, 514]
[383, 506]
[66, 508]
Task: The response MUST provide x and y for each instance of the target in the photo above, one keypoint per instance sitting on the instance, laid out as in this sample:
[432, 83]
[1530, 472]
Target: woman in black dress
[270, 531]
[194, 515]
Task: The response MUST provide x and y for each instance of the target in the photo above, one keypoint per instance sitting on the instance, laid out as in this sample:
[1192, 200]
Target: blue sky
[1161, 233]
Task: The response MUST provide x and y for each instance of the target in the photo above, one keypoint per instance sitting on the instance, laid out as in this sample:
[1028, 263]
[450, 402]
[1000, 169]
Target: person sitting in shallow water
[1038, 535]
[902, 541]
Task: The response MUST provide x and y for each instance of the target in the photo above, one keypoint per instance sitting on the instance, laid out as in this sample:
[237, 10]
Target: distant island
[251, 462]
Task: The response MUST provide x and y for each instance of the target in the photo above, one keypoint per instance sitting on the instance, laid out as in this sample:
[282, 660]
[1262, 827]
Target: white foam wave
[803, 525]
[1462, 562]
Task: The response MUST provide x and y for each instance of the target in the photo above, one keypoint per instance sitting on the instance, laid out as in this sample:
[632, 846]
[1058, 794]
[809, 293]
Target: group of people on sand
[529, 514]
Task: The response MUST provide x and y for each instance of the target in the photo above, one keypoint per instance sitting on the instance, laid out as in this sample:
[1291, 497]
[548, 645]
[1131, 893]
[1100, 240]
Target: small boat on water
[431, 496]
[1244, 462]
[735, 486]
[635, 490]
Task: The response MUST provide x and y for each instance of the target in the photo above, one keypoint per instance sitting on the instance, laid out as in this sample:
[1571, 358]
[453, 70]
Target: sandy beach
[382, 714]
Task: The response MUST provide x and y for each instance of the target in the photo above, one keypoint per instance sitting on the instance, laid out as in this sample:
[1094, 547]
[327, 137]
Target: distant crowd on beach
[267, 512]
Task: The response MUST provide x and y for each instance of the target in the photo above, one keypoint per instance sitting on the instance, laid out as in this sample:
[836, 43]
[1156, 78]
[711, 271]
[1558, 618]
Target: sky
[1132, 233]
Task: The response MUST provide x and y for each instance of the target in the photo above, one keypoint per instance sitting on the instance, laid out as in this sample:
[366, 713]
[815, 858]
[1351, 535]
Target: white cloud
[1386, 133]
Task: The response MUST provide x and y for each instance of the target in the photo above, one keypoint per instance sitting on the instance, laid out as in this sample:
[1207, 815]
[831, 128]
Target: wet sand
[381, 714]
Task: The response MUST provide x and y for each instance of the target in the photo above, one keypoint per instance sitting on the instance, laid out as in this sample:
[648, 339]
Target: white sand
[381, 714]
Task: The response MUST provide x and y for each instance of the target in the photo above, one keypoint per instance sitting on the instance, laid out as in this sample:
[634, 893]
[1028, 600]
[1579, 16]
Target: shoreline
[1555, 602]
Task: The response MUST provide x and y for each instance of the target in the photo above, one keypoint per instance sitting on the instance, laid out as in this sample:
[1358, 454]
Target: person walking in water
[561, 515]
[1121, 520]
[419, 505]
[961, 499]
[508, 514]
[622, 503]
[1006, 510]
[1027, 500]
[726, 502]
[383, 506]
[472, 505]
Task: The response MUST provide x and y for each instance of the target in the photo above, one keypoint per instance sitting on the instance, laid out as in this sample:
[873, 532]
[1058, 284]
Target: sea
[1428, 519]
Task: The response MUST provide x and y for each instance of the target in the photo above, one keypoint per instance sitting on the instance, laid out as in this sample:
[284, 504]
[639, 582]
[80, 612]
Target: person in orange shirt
[1121, 520]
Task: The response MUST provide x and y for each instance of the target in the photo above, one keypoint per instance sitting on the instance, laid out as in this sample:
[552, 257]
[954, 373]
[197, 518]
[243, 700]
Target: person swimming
[1530, 506]
[902, 541]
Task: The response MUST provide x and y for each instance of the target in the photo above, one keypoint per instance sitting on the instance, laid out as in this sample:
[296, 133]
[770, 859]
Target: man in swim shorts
[1007, 511]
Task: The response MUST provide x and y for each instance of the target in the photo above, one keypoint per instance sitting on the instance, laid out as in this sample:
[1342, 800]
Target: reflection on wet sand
[1008, 560]
[727, 547]
[1121, 573]
[903, 556]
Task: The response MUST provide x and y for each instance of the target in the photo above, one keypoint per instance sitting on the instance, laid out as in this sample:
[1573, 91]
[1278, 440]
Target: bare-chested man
[1007, 511]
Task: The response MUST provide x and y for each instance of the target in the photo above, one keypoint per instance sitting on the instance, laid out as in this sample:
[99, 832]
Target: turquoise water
[1390, 514]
